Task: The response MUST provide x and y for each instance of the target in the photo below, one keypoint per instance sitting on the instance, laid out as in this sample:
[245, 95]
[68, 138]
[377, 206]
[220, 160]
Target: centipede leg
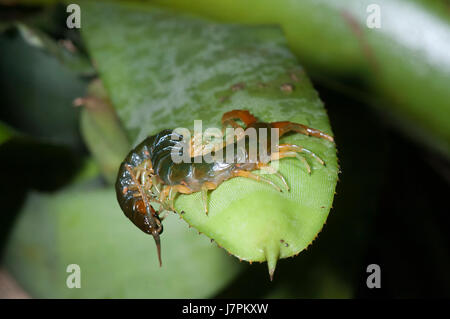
[172, 193]
[155, 224]
[205, 188]
[245, 116]
[299, 157]
[269, 169]
[247, 174]
[205, 198]
[287, 126]
[298, 149]
[180, 188]
[290, 150]
[155, 185]
[164, 193]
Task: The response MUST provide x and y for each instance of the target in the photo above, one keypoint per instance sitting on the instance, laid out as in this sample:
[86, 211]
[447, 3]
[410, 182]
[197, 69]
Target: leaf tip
[272, 252]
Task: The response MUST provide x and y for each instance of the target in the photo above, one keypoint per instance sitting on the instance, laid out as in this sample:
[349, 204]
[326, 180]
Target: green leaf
[37, 93]
[72, 60]
[6, 133]
[85, 226]
[406, 65]
[102, 131]
[164, 70]
[30, 164]
[333, 267]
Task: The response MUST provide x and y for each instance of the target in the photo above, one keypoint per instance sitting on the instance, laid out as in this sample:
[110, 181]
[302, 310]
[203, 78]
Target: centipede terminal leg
[286, 127]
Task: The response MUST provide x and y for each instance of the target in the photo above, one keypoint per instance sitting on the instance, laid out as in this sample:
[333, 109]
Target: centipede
[149, 180]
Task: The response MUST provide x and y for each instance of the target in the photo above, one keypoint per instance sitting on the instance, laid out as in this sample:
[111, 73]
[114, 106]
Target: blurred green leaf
[164, 70]
[40, 135]
[68, 55]
[30, 164]
[37, 93]
[6, 133]
[102, 131]
[84, 226]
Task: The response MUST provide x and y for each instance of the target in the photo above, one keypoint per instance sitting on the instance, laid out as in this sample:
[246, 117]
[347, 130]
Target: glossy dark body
[158, 149]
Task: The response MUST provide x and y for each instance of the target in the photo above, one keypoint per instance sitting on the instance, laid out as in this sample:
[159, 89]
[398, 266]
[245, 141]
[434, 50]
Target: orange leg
[269, 169]
[299, 149]
[205, 188]
[287, 126]
[184, 189]
[243, 115]
[164, 193]
[291, 150]
[247, 174]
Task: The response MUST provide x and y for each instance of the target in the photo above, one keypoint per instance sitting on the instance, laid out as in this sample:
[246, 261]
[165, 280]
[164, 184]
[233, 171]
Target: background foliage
[391, 128]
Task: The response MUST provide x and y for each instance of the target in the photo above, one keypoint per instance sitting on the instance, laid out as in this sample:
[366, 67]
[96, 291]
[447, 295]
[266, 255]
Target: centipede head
[135, 202]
